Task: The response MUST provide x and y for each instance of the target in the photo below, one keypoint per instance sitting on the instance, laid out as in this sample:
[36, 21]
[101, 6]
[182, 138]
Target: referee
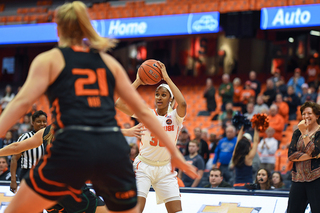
[30, 157]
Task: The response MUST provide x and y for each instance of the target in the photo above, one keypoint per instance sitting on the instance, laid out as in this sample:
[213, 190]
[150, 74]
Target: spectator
[318, 95]
[313, 71]
[8, 96]
[183, 141]
[237, 89]
[277, 181]
[267, 148]
[213, 142]
[209, 95]
[247, 93]
[227, 120]
[260, 106]
[216, 179]
[250, 111]
[254, 83]
[263, 180]
[242, 158]
[6, 140]
[203, 150]
[4, 171]
[256, 160]
[229, 106]
[296, 81]
[224, 150]
[306, 95]
[25, 126]
[226, 91]
[196, 160]
[276, 77]
[293, 102]
[283, 108]
[281, 86]
[276, 122]
[130, 140]
[134, 151]
[270, 94]
[204, 135]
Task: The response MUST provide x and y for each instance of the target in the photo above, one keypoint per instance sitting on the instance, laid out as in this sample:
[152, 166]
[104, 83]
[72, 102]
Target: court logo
[228, 208]
[4, 200]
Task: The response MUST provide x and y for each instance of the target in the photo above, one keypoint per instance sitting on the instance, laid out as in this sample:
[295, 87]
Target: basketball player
[152, 165]
[80, 83]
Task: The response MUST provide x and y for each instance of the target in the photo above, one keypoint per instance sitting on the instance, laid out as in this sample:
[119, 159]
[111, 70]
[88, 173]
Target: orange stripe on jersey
[80, 49]
[56, 107]
[138, 165]
[177, 134]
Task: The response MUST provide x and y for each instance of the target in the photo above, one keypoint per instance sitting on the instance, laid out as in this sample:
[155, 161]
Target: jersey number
[155, 141]
[92, 76]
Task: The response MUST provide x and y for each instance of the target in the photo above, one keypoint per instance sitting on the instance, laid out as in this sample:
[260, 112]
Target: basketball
[149, 73]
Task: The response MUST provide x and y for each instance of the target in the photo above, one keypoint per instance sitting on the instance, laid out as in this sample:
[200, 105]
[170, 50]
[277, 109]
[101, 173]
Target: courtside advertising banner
[152, 26]
[290, 17]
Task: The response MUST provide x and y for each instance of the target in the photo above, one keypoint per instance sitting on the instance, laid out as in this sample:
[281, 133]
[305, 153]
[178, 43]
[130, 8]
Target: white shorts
[163, 181]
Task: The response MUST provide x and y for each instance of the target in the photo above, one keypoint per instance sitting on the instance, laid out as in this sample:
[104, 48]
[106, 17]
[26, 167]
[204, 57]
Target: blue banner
[290, 17]
[183, 24]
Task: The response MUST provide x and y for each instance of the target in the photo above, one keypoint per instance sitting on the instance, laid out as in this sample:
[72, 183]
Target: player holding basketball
[152, 165]
[80, 83]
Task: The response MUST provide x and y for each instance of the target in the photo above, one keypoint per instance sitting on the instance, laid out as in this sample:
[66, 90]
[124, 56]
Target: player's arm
[197, 180]
[36, 84]
[137, 105]
[13, 171]
[121, 105]
[18, 147]
[182, 104]
[136, 131]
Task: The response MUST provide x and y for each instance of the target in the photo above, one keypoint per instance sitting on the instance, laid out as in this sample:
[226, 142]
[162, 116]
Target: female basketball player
[80, 83]
[152, 166]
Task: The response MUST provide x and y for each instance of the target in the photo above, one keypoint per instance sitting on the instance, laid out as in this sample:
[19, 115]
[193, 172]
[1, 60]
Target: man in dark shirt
[270, 94]
[254, 83]
[226, 91]
[209, 95]
[203, 146]
[216, 179]
[293, 102]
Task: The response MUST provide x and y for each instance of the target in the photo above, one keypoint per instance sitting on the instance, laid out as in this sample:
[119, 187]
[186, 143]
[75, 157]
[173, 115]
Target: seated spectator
[296, 81]
[25, 126]
[263, 180]
[281, 86]
[229, 106]
[216, 180]
[129, 139]
[250, 111]
[270, 94]
[183, 141]
[277, 181]
[223, 152]
[213, 139]
[237, 89]
[242, 159]
[209, 95]
[283, 108]
[204, 149]
[293, 102]
[267, 148]
[196, 160]
[228, 119]
[255, 84]
[4, 171]
[6, 140]
[276, 122]
[313, 71]
[134, 151]
[306, 94]
[247, 93]
[7, 97]
[226, 91]
[276, 77]
[260, 106]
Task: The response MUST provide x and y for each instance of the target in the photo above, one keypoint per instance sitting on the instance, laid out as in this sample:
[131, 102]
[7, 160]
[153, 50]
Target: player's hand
[178, 161]
[13, 186]
[163, 69]
[139, 80]
[136, 131]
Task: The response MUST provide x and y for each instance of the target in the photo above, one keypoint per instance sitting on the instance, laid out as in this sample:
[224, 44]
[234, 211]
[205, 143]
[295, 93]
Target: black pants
[302, 193]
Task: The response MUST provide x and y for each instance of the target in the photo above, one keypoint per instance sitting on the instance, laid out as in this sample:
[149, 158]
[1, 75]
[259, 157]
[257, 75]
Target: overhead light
[314, 33]
[291, 40]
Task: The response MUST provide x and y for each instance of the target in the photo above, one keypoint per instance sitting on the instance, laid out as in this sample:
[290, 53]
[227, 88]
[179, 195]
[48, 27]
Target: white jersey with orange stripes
[151, 148]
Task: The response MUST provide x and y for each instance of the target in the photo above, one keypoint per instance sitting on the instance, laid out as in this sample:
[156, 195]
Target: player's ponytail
[74, 23]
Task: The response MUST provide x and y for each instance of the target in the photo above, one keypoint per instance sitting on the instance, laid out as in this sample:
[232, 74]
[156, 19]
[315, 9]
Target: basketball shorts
[79, 156]
[163, 181]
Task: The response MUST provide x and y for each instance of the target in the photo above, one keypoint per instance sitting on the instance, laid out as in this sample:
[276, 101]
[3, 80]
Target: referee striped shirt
[30, 157]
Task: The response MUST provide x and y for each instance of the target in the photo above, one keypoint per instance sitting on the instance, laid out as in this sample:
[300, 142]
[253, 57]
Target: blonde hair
[74, 22]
